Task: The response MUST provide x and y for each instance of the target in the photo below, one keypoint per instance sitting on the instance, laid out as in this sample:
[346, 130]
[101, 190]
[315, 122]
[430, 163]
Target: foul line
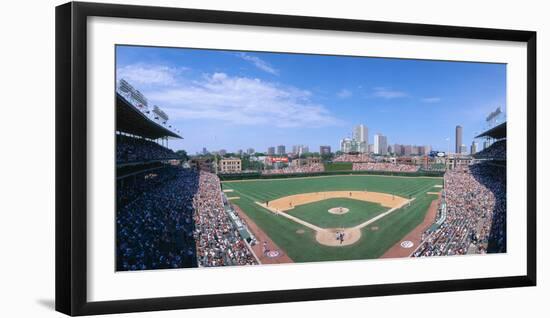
[293, 218]
[318, 229]
[381, 215]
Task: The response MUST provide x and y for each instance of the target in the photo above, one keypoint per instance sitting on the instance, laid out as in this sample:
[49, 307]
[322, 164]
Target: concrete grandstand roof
[131, 120]
[497, 132]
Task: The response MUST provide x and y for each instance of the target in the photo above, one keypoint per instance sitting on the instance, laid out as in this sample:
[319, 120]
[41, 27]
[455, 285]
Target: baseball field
[343, 217]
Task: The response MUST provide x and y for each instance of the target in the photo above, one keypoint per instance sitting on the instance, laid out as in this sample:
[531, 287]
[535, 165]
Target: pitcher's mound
[338, 210]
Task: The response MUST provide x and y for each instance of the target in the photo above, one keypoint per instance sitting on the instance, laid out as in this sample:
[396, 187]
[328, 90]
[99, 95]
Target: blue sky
[236, 100]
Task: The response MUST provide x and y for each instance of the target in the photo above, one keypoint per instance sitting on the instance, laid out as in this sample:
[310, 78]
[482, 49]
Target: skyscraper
[383, 144]
[281, 150]
[271, 151]
[458, 139]
[348, 145]
[380, 144]
[300, 149]
[324, 150]
[361, 133]
[361, 137]
[407, 149]
[398, 149]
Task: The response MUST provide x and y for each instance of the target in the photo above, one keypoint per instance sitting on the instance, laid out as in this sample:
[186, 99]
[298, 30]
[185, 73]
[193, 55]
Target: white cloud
[344, 93]
[146, 74]
[386, 93]
[243, 101]
[431, 99]
[259, 63]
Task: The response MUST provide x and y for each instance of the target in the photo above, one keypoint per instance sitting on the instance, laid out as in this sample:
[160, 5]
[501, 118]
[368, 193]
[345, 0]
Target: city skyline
[257, 100]
[354, 144]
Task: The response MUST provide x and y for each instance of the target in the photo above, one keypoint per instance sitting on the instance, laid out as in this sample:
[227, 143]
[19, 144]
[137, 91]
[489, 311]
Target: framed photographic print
[210, 158]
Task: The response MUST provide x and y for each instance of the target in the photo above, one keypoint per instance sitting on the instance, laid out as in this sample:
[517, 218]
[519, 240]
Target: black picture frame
[71, 157]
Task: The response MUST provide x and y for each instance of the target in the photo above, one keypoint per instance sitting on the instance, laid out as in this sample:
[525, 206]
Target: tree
[327, 156]
[182, 154]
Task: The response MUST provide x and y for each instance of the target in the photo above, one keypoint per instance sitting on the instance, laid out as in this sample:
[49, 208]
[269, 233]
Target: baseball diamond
[294, 212]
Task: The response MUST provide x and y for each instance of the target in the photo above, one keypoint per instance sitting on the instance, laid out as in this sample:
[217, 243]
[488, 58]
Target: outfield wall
[246, 176]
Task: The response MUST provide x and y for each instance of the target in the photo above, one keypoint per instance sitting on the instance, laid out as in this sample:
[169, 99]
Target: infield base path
[328, 236]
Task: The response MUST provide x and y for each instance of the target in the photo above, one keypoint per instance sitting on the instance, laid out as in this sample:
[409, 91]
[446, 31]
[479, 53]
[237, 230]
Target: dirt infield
[328, 236]
[261, 237]
[291, 201]
[415, 236]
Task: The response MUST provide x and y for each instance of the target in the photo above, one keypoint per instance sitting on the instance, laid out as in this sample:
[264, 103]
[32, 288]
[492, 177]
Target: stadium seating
[496, 151]
[174, 218]
[155, 230]
[311, 168]
[217, 239]
[475, 220]
[362, 157]
[383, 166]
[130, 149]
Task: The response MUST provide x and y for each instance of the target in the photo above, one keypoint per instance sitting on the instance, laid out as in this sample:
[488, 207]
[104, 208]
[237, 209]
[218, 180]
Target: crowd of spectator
[175, 219]
[131, 187]
[239, 172]
[129, 149]
[496, 151]
[155, 230]
[384, 166]
[217, 239]
[311, 168]
[475, 221]
[440, 167]
[361, 157]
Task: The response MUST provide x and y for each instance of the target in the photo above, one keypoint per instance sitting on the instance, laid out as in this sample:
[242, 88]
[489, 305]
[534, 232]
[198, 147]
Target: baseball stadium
[179, 211]
[336, 217]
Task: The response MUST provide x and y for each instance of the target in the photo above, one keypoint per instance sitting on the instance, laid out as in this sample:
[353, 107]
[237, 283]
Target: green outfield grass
[317, 213]
[303, 247]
